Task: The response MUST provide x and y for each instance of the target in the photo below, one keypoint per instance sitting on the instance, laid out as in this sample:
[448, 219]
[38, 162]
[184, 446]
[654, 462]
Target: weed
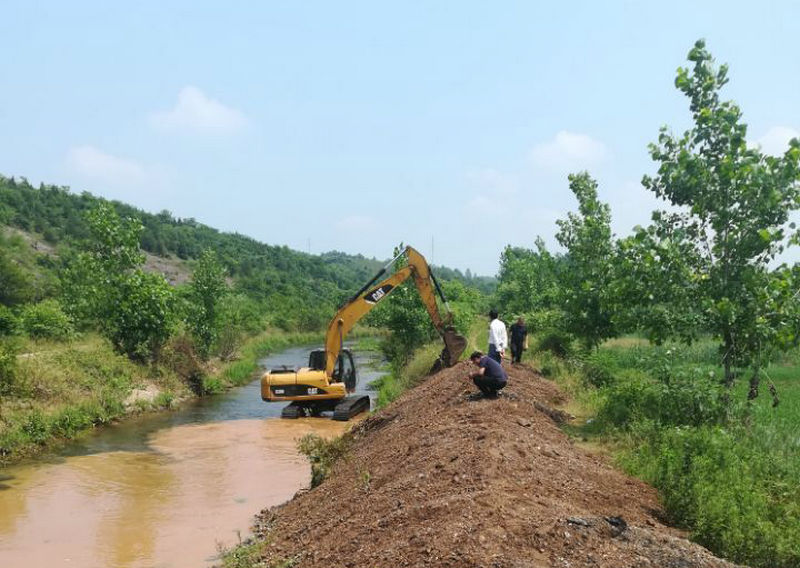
[366, 478]
[323, 454]
[248, 554]
[46, 319]
[164, 399]
[212, 385]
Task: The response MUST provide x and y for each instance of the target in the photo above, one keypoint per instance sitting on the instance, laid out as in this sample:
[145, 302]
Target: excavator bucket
[454, 345]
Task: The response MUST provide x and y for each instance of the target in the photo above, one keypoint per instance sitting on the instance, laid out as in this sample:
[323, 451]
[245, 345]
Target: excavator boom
[330, 375]
[373, 292]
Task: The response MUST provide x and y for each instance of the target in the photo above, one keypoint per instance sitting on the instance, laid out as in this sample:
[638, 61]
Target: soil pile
[443, 478]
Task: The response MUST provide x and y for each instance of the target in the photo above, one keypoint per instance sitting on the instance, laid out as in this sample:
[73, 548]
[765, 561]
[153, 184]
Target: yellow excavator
[330, 376]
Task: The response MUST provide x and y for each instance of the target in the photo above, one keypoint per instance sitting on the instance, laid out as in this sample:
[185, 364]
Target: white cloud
[94, 164]
[569, 151]
[776, 140]
[357, 223]
[196, 112]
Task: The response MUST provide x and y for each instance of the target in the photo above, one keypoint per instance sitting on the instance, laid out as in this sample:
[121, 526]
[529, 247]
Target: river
[161, 490]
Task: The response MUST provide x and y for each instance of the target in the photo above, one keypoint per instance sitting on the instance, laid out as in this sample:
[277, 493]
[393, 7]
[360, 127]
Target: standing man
[491, 377]
[498, 338]
[519, 340]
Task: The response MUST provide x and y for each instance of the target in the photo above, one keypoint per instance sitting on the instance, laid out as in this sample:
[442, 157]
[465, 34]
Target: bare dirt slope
[442, 479]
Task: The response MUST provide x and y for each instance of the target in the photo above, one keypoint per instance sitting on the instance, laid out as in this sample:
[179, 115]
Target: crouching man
[491, 377]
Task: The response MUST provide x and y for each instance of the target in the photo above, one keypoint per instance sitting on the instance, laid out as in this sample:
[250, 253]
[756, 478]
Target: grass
[250, 554]
[728, 474]
[397, 381]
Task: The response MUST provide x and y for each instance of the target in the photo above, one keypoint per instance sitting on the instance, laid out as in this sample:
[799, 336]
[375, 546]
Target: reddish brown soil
[440, 478]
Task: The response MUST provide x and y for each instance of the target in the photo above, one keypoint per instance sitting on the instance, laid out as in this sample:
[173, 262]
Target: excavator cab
[343, 372]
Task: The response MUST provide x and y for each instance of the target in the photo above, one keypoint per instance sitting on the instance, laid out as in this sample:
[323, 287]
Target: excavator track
[293, 410]
[350, 406]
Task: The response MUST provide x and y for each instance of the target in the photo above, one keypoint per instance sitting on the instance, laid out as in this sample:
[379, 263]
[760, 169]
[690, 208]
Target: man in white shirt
[498, 338]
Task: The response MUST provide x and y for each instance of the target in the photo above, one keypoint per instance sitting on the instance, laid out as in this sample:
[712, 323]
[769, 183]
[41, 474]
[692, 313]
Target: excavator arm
[374, 291]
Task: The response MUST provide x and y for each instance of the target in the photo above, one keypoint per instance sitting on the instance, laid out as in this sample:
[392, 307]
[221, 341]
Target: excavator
[324, 385]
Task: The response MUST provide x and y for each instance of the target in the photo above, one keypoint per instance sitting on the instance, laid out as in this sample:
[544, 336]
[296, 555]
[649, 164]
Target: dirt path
[441, 479]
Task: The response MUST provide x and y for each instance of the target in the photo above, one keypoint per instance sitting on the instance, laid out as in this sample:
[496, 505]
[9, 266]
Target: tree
[142, 317]
[733, 206]
[15, 284]
[207, 289]
[588, 267]
[528, 279]
[105, 285]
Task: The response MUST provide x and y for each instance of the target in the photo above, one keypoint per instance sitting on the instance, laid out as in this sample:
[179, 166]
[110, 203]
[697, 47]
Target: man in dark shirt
[519, 340]
[491, 377]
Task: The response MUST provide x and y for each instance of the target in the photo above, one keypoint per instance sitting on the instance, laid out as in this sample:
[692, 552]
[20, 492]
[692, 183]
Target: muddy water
[159, 491]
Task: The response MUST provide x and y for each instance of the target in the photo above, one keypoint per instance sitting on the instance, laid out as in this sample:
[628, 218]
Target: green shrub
[8, 321]
[686, 399]
[229, 341]
[46, 320]
[241, 312]
[212, 385]
[322, 454]
[164, 399]
[600, 368]
[70, 421]
[36, 427]
[736, 499]
[244, 555]
[556, 342]
[8, 368]
[142, 318]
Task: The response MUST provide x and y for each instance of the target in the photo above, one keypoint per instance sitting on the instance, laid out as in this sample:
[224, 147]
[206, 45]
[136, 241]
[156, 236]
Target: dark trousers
[494, 353]
[516, 352]
[488, 385]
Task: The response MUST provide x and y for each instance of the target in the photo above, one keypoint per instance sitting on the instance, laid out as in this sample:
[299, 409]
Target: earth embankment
[444, 478]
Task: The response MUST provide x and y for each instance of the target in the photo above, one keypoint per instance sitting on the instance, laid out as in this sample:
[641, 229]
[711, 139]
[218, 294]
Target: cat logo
[377, 294]
[313, 390]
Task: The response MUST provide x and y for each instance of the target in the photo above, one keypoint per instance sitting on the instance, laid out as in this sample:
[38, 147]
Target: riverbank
[442, 478]
[65, 389]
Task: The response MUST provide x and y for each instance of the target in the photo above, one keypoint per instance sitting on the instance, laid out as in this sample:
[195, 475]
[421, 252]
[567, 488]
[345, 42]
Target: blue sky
[353, 126]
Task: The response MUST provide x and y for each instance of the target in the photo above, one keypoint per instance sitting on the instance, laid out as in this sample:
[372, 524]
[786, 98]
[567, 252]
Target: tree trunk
[729, 372]
[726, 361]
[755, 380]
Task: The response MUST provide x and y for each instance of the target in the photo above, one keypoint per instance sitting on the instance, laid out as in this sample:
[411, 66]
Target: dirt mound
[442, 478]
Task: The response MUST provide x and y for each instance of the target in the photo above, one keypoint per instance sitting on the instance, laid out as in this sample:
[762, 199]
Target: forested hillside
[307, 287]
